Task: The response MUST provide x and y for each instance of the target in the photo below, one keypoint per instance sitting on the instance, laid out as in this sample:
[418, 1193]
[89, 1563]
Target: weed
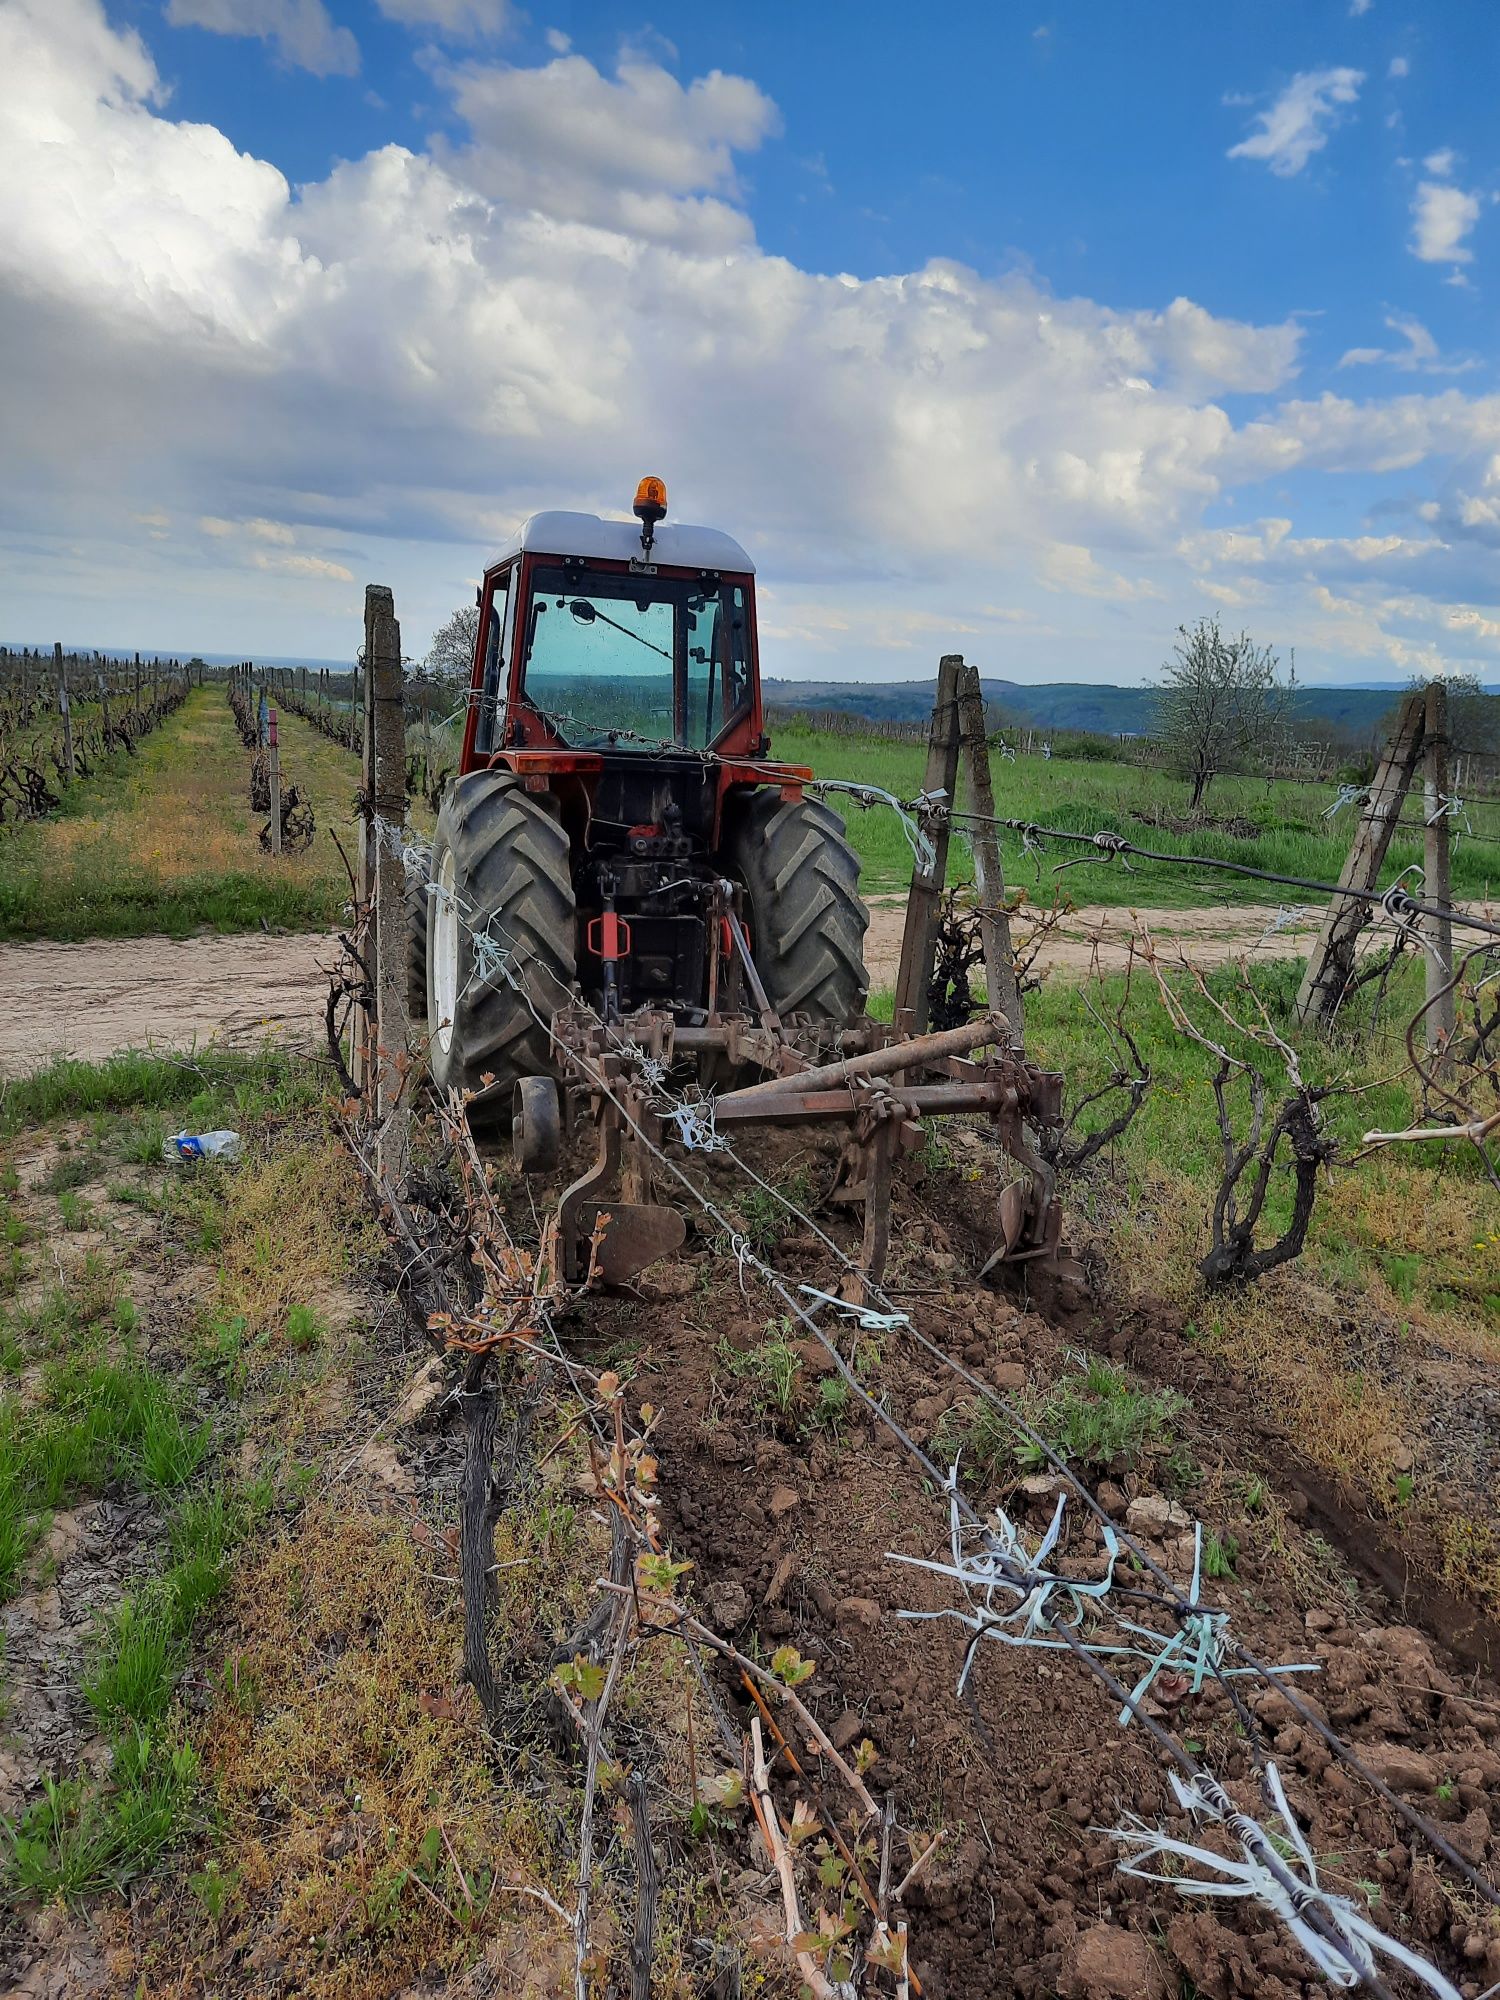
[1102, 1416]
[70, 1170]
[305, 1329]
[1471, 1558]
[96, 1421]
[80, 1838]
[12, 1263]
[214, 1886]
[130, 1194]
[18, 1530]
[135, 1079]
[139, 1140]
[1401, 1274]
[139, 1655]
[74, 1211]
[771, 1372]
[831, 1404]
[170, 1449]
[984, 1437]
[1220, 1554]
[765, 1211]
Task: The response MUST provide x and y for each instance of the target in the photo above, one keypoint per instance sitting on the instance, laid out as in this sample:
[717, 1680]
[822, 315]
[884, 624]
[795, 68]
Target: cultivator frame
[879, 1086]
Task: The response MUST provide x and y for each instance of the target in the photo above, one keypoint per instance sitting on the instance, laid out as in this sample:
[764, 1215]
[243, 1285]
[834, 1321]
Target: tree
[450, 657]
[1473, 714]
[1220, 705]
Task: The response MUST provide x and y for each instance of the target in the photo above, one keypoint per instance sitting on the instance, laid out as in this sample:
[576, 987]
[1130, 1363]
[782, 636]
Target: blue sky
[1030, 333]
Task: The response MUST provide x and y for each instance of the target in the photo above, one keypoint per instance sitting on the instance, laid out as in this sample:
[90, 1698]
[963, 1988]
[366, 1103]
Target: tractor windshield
[635, 662]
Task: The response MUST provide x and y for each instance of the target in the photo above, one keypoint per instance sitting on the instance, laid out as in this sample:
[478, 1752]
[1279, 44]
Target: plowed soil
[791, 1525]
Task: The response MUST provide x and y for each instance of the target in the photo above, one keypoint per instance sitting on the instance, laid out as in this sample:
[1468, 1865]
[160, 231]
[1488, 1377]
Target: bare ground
[91, 999]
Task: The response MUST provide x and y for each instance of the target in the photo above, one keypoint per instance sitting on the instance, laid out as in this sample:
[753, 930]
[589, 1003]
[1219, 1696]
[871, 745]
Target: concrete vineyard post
[273, 770]
[67, 714]
[104, 705]
[1332, 959]
[941, 777]
[1441, 1018]
[989, 877]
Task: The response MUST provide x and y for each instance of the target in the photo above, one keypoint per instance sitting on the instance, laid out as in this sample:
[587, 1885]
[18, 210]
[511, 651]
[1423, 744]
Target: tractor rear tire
[501, 873]
[807, 923]
[418, 860]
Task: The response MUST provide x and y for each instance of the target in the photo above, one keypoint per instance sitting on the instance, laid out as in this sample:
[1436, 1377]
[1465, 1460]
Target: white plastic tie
[1291, 1891]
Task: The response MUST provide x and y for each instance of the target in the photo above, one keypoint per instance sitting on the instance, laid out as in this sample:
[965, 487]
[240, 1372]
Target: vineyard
[392, 1609]
[61, 716]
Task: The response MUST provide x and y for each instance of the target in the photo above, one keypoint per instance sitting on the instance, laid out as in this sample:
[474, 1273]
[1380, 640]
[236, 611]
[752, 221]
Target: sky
[1029, 332]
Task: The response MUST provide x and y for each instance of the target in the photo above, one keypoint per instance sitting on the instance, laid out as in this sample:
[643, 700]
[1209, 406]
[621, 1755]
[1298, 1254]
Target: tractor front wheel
[418, 859]
[500, 940]
[807, 923]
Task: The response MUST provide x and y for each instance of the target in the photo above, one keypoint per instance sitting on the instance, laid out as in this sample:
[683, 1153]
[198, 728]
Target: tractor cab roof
[677, 546]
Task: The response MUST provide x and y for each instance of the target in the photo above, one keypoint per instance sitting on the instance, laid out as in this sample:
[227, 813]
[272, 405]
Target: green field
[1083, 796]
[165, 841]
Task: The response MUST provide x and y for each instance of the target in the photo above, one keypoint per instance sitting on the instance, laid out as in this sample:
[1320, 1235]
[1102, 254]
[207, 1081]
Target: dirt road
[114, 993]
[119, 993]
[1210, 936]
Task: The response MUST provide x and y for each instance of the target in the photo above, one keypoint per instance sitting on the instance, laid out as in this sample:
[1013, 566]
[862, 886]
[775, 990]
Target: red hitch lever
[609, 936]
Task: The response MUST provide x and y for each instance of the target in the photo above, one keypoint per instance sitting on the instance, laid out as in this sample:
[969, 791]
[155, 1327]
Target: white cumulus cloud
[1442, 216]
[303, 31]
[635, 151]
[411, 353]
[1297, 125]
[1419, 353]
[465, 20]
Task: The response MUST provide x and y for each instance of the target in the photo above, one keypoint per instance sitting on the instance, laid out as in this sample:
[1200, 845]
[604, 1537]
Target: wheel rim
[444, 955]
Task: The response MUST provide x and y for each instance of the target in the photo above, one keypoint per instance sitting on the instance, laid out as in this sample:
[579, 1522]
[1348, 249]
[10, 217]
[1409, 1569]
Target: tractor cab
[598, 635]
[615, 815]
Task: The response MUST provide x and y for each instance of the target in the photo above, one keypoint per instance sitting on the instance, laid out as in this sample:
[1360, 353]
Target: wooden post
[919, 935]
[1332, 960]
[62, 703]
[104, 704]
[136, 704]
[273, 769]
[989, 876]
[387, 724]
[1441, 1018]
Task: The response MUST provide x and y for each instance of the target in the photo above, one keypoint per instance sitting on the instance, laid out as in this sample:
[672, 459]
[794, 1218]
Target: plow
[878, 1092]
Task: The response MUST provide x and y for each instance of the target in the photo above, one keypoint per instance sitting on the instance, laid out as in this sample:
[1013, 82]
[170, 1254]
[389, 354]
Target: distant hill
[1110, 711]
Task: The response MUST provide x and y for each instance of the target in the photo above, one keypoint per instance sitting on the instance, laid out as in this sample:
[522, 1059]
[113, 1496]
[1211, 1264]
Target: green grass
[1363, 1225]
[139, 1658]
[81, 1838]
[95, 1421]
[1085, 796]
[205, 1090]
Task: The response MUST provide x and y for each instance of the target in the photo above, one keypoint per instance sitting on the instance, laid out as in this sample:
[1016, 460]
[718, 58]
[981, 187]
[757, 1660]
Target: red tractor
[616, 834]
